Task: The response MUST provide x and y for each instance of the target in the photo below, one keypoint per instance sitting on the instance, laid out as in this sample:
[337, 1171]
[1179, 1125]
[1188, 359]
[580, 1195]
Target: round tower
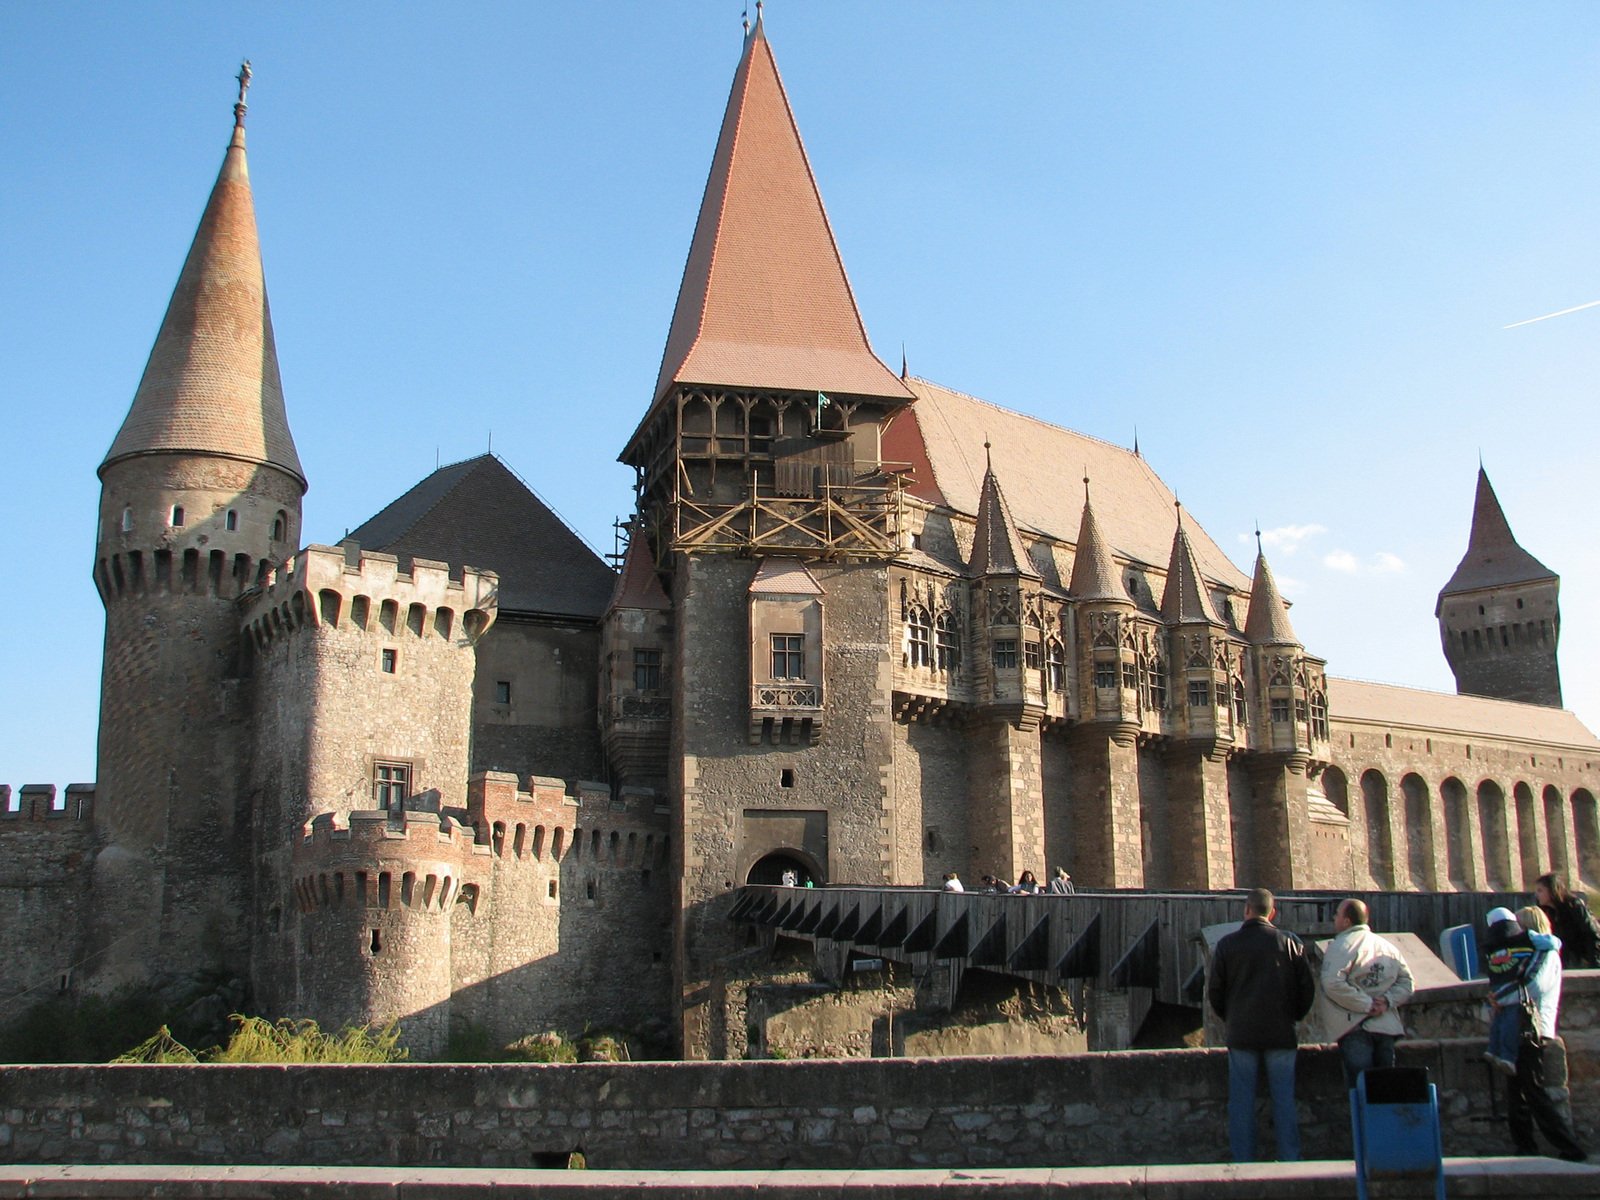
[375, 892]
[200, 491]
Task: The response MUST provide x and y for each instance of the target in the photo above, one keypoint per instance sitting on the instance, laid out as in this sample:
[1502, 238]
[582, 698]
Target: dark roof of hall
[477, 513]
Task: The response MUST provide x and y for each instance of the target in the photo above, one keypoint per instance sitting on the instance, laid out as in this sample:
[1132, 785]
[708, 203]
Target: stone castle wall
[1089, 1109]
[550, 720]
[47, 846]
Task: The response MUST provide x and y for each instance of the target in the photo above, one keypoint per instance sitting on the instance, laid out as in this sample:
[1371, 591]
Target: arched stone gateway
[770, 868]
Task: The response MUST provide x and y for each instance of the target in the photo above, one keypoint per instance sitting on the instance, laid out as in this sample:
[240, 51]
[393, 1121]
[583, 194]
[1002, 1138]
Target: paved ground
[1518, 1178]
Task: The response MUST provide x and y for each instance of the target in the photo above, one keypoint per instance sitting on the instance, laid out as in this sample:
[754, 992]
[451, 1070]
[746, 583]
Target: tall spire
[1094, 571]
[764, 300]
[211, 385]
[637, 583]
[1267, 622]
[1493, 557]
[997, 546]
[1185, 600]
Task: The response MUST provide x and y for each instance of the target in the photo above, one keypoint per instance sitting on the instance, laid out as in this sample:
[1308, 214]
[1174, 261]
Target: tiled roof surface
[1094, 571]
[638, 586]
[211, 384]
[996, 547]
[1186, 599]
[1493, 557]
[784, 577]
[764, 300]
[1385, 704]
[1267, 622]
[478, 514]
[1134, 508]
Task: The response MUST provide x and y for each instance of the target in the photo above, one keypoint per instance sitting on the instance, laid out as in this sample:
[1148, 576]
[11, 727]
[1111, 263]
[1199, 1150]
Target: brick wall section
[1091, 1109]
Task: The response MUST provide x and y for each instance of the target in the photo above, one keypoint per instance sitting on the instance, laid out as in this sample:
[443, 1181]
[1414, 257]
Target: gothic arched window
[1055, 658]
[948, 642]
[919, 637]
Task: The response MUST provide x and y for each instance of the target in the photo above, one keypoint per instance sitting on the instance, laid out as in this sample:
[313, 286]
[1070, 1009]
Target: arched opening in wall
[1337, 789]
[556, 843]
[538, 841]
[280, 526]
[498, 837]
[1457, 837]
[1586, 835]
[328, 603]
[1419, 831]
[771, 868]
[519, 843]
[415, 616]
[1380, 840]
[1492, 827]
[1555, 831]
[1527, 833]
[231, 521]
[388, 613]
[616, 848]
[443, 622]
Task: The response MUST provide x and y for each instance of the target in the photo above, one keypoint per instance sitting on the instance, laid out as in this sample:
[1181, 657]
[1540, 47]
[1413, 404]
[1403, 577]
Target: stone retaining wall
[1082, 1110]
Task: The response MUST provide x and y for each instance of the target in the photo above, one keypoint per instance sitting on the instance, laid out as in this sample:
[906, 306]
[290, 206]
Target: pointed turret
[638, 585]
[211, 385]
[996, 545]
[1094, 571]
[1500, 614]
[1267, 623]
[1185, 600]
[1493, 557]
[764, 300]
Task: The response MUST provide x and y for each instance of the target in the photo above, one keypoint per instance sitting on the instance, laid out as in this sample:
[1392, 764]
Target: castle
[867, 629]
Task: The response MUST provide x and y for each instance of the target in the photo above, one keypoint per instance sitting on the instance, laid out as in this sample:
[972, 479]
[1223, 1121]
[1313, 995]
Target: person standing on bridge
[1260, 985]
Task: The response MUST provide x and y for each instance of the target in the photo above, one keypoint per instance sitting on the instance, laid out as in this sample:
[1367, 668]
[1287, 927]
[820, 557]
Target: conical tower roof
[764, 300]
[1493, 557]
[1185, 600]
[1094, 571]
[996, 546]
[1267, 622]
[638, 586]
[211, 385]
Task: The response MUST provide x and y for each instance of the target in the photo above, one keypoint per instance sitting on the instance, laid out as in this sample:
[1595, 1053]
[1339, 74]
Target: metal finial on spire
[1086, 483]
[1260, 553]
[744, 19]
[1136, 442]
[1178, 504]
[988, 460]
[904, 374]
[244, 86]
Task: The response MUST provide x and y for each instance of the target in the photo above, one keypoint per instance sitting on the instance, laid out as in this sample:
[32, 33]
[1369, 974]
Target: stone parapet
[36, 803]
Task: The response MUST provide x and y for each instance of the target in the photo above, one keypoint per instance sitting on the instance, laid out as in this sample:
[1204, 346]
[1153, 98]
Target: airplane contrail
[1547, 316]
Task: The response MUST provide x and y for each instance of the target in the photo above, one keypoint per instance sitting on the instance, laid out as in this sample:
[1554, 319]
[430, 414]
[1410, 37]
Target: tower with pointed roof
[1500, 613]
[200, 495]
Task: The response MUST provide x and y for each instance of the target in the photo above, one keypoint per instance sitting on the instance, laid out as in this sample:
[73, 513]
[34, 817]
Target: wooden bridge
[1114, 939]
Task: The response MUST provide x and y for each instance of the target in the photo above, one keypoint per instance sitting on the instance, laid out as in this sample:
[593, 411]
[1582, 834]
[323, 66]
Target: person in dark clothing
[1570, 920]
[1538, 1094]
[1260, 985]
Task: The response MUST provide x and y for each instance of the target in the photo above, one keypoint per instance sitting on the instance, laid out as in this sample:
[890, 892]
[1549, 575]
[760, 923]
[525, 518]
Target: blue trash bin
[1394, 1123]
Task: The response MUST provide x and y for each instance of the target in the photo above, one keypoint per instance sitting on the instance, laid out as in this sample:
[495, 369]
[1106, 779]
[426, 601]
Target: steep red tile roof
[764, 300]
[1187, 599]
[996, 545]
[1133, 507]
[1493, 557]
[211, 385]
[638, 586]
[1094, 571]
[1267, 622]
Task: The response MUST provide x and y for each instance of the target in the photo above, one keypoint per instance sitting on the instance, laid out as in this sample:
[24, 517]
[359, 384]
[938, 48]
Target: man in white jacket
[1365, 980]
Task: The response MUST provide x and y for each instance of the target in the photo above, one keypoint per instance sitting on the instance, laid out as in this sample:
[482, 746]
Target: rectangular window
[1030, 655]
[1240, 712]
[1280, 710]
[1319, 721]
[391, 784]
[1105, 673]
[918, 636]
[1005, 652]
[788, 656]
[1130, 676]
[1057, 669]
[502, 691]
[1199, 694]
[389, 660]
[647, 670]
[949, 649]
[1300, 713]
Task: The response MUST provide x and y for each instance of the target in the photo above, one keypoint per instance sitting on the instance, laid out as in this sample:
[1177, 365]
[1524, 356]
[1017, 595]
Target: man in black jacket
[1261, 984]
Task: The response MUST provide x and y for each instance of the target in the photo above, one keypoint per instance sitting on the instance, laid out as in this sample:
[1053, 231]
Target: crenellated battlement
[341, 862]
[35, 803]
[345, 587]
[550, 820]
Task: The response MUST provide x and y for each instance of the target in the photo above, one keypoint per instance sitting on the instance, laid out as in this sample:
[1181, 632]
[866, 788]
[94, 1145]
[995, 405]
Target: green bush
[542, 1047]
[257, 1040]
[90, 1029]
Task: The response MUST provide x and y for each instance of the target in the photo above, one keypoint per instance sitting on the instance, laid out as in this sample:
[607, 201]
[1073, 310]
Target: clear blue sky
[1282, 240]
